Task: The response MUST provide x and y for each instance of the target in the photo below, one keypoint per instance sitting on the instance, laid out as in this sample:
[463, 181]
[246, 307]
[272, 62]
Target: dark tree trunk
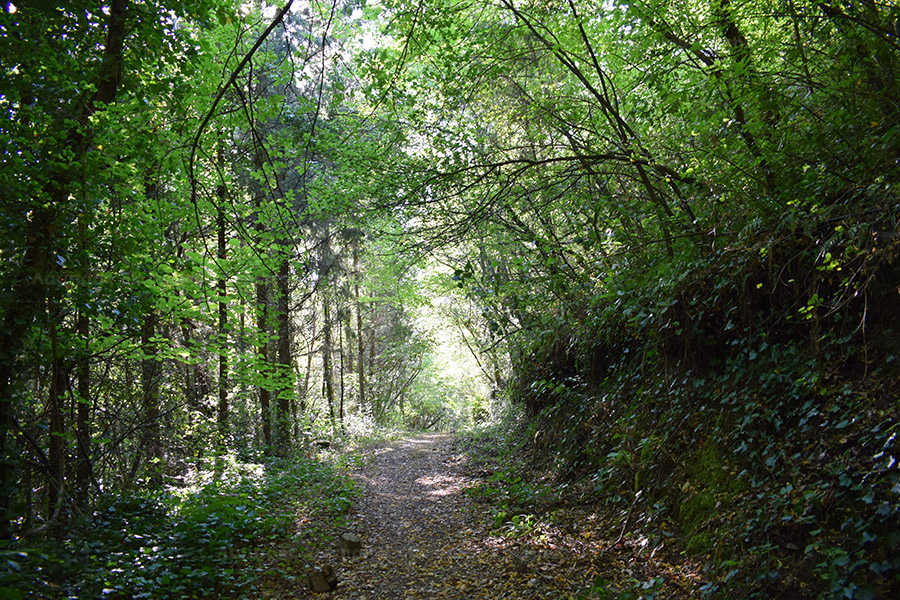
[152, 442]
[83, 411]
[304, 388]
[285, 369]
[360, 341]
[223, 416]
[265, 395]
[327, 374]
[56, 467]
[373, 399]
[29, 288]
[341, 371]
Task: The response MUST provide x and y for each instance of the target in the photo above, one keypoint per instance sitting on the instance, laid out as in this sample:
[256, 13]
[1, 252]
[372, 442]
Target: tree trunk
[373, 399]
[56, 467]
[223, 416]
[360, 342]
[262, 326]
[341, 371]
[83, 412]
[285, 370]
[83, 369]
[152, 442]
[29, 287]
[327, 375]
[304, 387]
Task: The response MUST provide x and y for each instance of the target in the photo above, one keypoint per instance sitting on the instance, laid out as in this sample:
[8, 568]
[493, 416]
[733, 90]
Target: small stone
[349, 544]
[322, 580]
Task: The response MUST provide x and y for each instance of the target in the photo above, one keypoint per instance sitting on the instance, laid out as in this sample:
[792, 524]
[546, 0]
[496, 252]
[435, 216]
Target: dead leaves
[423, 537]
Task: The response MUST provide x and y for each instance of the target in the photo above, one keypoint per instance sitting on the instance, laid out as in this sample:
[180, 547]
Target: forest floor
[423, 536]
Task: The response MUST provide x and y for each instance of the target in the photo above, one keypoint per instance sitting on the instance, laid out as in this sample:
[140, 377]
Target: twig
[221, 93]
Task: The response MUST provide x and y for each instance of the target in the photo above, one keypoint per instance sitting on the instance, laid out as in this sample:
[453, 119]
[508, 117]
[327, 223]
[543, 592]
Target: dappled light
[424, 536]
[441, 485]
[559, 299]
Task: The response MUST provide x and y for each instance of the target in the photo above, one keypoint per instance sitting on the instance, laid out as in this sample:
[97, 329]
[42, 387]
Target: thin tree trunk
[57, 455]
[83, 373]
[83, 369]
[223, 408]
[360, 342]
[262, 326]
[341, 370]
[190, 383]
[304, 388]
[401, 395]
[152, 442]
[327, 375]
[83, 412]
[373, 400]
[285, 371]
[29, 288]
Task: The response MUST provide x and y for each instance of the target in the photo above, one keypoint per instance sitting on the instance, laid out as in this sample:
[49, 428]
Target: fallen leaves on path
[423, 537]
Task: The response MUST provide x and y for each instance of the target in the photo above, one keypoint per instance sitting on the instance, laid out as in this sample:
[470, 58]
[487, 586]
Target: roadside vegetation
[237, 529]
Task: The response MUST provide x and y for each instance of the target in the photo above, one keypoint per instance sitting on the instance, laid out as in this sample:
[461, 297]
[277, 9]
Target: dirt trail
[422, 537]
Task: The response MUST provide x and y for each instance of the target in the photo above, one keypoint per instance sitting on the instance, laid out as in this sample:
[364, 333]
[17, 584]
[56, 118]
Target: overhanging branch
[221, 93]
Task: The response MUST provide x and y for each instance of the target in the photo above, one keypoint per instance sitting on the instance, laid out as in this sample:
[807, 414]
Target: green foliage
[516, 525]
[672, 226]
[520, 501]
[720, 492]
[605, 590]
[210, 541]
[742, 398]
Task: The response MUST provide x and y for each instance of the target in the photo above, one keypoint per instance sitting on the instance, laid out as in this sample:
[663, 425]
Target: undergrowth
[744, 407]
[220, 539]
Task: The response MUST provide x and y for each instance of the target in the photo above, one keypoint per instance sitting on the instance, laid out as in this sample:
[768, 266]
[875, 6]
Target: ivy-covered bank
[745, 409]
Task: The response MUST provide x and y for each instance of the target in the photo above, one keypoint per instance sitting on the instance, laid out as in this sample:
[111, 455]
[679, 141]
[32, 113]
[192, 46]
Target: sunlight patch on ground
[443, 484]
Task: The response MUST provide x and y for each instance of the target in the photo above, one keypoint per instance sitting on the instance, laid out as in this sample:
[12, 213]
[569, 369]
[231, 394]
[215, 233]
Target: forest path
[423, 537]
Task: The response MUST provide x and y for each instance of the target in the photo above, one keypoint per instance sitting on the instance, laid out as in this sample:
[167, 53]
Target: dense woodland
[665, 234]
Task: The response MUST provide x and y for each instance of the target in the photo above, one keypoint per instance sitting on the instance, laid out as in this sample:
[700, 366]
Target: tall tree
[263, 387]
[285, 365]
[151, 439]
[360, 337]
[223, 417]
[44, 197]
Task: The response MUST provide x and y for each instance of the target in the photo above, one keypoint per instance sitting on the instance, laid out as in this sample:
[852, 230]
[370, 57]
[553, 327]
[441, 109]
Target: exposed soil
[423, 537]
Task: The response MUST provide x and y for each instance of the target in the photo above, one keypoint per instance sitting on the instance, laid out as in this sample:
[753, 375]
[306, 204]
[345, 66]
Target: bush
[756, 413]
[207, 542]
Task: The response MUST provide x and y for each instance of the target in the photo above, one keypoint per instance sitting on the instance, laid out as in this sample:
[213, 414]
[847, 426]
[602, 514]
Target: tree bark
[222, 287]
[327, 369]
[341, 372]
[285, 370]
[83, 371]
[83, 412]
[152, 441]
[373, 398]
[57, 455]
[304, 387]
[360, 342]
[265, 395]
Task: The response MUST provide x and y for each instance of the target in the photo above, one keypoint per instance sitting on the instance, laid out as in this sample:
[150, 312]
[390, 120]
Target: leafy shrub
[200, 543]
[756, 413]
